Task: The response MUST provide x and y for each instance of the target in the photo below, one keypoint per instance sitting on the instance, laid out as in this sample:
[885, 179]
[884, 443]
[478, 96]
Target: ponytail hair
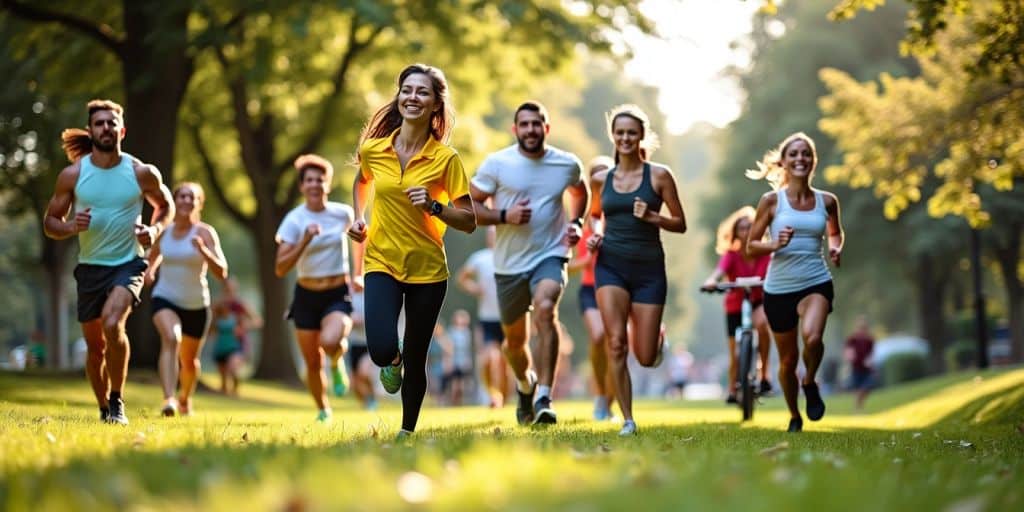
[770, 167]
[648, 139]
[77, 142]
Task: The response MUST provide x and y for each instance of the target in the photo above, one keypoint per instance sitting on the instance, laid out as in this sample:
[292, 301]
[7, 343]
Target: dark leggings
[383, 297]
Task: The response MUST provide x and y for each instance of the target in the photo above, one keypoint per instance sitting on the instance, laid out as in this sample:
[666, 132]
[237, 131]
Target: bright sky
[686, 65]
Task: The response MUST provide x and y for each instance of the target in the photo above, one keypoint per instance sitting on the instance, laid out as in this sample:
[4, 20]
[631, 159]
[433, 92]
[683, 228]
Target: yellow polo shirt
[404, 241]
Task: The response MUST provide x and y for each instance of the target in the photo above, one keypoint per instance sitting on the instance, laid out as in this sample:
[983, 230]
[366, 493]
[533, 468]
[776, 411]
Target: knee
[647, 361]
[788, 363]
[544, 314]
[329, 340]
[381, 357]
[315, 364]
[618, 348]
[812, 339]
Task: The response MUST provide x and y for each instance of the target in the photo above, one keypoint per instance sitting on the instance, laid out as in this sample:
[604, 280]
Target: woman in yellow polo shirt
[419, 188]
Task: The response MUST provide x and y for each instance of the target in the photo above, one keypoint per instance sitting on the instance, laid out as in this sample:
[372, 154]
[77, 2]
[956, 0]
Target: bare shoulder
[599, 177]
[660, 170]
[146, 173]
[831, 201]
[769, 199]
[68, 176]
[205, 229]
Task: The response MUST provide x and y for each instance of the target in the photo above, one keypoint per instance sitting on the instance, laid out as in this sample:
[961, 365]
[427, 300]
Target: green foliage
[896, 132]
[904, 368]
[961, 355]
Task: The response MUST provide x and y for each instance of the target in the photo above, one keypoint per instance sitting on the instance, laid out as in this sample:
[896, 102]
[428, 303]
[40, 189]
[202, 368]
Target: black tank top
[625, 235]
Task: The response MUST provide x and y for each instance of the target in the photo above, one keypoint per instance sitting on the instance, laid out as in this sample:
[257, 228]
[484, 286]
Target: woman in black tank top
[630, 273]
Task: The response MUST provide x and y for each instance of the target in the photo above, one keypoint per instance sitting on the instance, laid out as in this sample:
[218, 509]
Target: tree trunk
[55, 317]
[275, 355]
[1008, 256]
[931, 288]
[155, 73]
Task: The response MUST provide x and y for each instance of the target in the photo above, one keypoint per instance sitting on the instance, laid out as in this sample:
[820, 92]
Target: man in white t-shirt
[476, 278]
[529, 182]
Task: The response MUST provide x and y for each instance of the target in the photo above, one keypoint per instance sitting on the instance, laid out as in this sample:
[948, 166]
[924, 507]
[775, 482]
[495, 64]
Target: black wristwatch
[436, 207]
[578, 221]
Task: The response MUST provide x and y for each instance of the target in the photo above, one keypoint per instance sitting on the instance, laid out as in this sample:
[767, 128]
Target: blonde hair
[726, 233]
[648, 138]
[770, 167]
[77, 142]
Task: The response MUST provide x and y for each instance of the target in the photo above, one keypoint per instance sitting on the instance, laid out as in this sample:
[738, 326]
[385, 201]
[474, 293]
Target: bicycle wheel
[745, 381]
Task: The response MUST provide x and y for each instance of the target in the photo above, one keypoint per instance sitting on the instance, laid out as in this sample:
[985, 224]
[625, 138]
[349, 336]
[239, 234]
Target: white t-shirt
[327, 253]
[482, 264]
[510, 177]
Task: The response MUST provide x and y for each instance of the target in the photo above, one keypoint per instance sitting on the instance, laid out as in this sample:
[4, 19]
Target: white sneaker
[170, 408]
[628, 428]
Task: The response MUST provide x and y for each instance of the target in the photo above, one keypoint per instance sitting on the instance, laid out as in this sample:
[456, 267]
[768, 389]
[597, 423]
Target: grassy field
[954, 444]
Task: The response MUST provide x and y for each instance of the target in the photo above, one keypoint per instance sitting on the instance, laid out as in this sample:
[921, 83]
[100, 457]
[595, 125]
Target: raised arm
[56, 224]
[467, 281]
[836, 235]
[664, 186]
[159, 197]
[207, 243]
[460, 215]
[756, 246]
[288, 253]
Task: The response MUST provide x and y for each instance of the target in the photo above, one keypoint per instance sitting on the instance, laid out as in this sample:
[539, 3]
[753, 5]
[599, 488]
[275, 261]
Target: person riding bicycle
[734, 263]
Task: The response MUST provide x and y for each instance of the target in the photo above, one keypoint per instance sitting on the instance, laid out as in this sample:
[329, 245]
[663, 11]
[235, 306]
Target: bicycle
[746, 379]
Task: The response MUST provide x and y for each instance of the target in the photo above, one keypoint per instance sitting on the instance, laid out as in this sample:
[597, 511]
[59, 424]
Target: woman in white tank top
[181, 298]
[798, 292]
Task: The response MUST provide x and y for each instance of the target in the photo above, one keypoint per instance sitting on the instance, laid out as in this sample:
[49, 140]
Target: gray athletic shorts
[515, 291]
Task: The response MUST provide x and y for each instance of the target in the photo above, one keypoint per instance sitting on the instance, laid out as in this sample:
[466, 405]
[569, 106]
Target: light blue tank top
[116, 201]
[801, 264]
[182, 272]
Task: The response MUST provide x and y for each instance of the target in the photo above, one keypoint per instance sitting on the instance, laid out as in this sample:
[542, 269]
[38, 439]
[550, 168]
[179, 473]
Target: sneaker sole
[545, 417]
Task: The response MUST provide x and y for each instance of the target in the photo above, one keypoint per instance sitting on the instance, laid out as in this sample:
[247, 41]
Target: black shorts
[310, 307]
[644, 279]
[94, 283]
[194, 322]
[492, 332]
[733, 320]
[780, 308]
[588, 298]
[355, 354]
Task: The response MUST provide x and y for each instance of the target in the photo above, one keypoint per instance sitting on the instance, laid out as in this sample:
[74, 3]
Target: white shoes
[628, 428]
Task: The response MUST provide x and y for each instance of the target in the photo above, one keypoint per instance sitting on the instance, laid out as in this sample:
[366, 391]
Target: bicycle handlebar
[726, 286]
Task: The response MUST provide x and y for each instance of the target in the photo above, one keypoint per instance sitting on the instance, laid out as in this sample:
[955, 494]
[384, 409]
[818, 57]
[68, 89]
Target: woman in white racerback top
[181, 298]
[798, 288]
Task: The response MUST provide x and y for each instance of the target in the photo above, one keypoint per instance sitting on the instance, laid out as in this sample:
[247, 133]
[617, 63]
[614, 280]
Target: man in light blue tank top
[105, 187]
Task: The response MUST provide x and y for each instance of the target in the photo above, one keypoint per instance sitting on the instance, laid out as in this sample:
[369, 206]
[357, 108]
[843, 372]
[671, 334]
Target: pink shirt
[734, 265]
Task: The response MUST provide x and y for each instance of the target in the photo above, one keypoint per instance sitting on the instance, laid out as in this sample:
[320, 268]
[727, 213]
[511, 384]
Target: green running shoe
[339, 377]
[391, 378]
[324, 416]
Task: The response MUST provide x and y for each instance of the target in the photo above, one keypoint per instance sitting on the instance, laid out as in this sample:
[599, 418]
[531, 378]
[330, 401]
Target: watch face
[435, 208]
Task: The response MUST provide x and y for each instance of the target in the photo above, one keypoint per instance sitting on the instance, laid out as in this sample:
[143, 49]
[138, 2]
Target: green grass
[951, 443]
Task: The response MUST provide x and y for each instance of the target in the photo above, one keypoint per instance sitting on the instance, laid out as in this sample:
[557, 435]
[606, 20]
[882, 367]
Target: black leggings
[383, 297]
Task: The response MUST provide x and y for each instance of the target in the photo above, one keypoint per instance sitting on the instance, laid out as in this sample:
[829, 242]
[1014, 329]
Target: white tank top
[802, 263]
[183, 272]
